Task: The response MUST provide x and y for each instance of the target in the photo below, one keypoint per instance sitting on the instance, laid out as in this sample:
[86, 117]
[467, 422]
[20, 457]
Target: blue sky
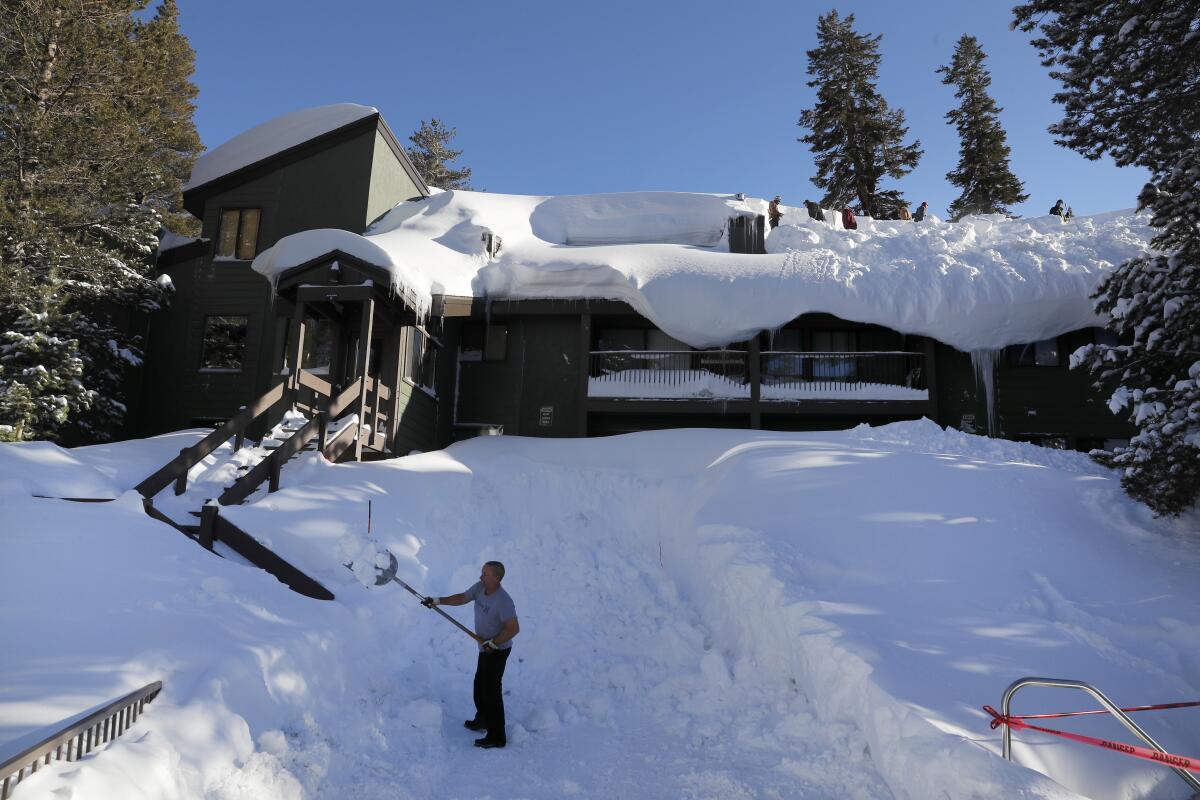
[567, 98]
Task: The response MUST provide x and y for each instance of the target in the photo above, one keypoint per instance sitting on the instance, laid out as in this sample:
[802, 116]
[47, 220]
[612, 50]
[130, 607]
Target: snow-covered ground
[704, 614]
[982, 283]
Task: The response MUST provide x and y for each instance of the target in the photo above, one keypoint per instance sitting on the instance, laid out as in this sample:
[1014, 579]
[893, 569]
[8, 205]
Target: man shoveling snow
[496, 625]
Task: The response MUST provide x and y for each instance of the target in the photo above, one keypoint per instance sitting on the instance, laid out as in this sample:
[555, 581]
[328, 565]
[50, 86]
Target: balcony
[781, 376]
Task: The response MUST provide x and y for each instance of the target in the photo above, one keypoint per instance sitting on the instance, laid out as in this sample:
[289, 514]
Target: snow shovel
[385, 575]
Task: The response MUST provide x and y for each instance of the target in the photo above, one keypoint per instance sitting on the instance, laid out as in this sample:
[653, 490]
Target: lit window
[224, 345]
[238, 234]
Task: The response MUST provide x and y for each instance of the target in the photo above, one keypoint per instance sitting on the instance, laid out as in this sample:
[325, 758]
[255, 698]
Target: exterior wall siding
[389, 184]
[540, 370]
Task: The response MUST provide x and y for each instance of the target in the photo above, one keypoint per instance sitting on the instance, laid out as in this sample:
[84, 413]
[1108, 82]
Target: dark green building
[333, 335]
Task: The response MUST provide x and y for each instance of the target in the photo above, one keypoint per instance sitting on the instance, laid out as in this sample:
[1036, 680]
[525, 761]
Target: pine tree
[856, 138]
[1131, 89]
[431, 155]
[983, 173]
[39, 377]
[96, 139]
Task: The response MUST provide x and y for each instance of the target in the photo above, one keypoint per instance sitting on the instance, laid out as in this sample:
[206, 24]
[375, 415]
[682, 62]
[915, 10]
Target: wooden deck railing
[782, 375]
[852, 372]
[77, 739]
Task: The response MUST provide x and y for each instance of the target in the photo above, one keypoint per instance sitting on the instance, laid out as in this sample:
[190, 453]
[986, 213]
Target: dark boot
[475, 725]
[489, 742]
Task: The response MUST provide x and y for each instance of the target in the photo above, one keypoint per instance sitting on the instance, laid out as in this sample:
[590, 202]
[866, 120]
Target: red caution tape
[1159, 707]
[1017, 723]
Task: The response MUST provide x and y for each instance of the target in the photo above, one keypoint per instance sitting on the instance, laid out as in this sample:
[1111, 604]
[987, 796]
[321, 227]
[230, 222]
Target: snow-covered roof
[977, 284]
[273, 136]
[171, 240]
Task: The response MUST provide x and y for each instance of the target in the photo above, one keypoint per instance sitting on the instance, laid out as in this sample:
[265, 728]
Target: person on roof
[814, 211]
[496, 625]
[903, 213]
[1058, 209]
[773, 212]
[920, 212]
[1070, 213]
[848, 220]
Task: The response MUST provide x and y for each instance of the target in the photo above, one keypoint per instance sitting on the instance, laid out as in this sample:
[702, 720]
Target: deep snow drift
[704, 613]
[982, 283]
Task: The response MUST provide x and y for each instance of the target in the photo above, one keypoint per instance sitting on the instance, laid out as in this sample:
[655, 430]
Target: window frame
[204, 339]
[428, 363]
[486, 351]
[1014, 352]
[237, 234]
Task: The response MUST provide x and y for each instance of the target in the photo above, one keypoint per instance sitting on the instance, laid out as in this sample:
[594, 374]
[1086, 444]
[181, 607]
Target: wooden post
[181, 479]
[585, 355]
[364, 365]
[276, 468]
[208, 521]
[752, 356]
[401, 339]
[931, 377]
[375, 408]
[296, 351]
[322, 429]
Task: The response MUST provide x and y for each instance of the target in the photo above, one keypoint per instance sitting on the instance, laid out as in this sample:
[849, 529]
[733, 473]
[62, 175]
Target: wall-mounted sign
[546, 416]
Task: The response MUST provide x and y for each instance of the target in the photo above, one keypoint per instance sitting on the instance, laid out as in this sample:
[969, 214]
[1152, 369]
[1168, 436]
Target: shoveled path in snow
[617, 687]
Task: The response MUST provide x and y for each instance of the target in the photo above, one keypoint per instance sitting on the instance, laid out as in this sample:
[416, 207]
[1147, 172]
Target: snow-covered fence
[668, 373]
[73, 738]
[860, 371]
[783, 375]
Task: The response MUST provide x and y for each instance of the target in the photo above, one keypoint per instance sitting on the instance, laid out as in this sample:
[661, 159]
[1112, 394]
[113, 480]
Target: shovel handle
[452, 620]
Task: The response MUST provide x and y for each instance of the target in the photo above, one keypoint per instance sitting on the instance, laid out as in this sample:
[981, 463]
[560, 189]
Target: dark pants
[774, 223]
[489, 696]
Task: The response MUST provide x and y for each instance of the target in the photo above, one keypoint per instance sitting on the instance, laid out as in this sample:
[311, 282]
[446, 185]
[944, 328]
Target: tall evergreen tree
[856, 138]
[983, 173]
[431, 155]
[1131, 89]
[96, 139]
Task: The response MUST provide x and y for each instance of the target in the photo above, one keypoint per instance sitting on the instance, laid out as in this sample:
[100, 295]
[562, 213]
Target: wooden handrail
[318, 384]
[78, 738]
[343, 400]
[190, 456]
[341, 440]
[263, 470]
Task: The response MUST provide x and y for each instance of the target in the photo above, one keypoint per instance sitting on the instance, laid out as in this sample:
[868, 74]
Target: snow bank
[978, 284]
[271, 137]
[704, 613]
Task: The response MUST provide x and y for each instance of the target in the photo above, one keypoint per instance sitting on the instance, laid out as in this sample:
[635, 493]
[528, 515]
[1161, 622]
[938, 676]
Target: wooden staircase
[342, 427]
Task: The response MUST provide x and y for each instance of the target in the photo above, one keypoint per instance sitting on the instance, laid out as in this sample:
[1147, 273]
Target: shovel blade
[386, 575]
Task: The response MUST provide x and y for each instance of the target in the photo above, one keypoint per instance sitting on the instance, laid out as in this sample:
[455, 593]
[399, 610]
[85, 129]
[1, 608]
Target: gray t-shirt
[491, 611]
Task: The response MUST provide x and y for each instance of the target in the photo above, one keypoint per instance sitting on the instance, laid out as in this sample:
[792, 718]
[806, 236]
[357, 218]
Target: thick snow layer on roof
[273, 136]
[977, 284]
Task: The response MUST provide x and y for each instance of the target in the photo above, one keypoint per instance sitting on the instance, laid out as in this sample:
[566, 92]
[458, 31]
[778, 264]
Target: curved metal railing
[77, 739]
[1109, 705]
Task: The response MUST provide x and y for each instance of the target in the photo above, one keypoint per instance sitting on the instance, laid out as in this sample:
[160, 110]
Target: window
[1035, 354]
[834, 342]
[836, 368]
[483, 342]
[622, 339]
[224, 347]
[420, 358]
[237, 236]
